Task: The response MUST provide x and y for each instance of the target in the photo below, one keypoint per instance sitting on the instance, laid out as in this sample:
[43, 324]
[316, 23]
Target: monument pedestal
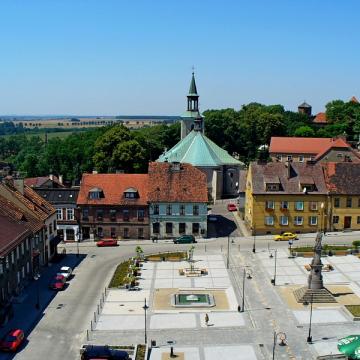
[316, 296]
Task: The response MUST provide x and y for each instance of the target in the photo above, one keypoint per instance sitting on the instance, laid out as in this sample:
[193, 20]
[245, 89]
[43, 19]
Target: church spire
[193, 90]
[193, 97]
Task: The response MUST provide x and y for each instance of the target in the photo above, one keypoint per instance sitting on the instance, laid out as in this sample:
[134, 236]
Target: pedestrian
[239, 308]
[207, 319]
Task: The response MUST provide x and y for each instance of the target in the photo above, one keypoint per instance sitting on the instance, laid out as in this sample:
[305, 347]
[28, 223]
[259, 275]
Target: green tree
[304, 131]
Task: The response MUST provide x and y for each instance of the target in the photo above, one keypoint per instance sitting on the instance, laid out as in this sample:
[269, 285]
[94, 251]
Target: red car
[231, 207]
[12, 340]
[58, 283]
[111, 242]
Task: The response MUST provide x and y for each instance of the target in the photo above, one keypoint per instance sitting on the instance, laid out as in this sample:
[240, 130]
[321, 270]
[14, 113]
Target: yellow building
[283, 197]
[342, 180]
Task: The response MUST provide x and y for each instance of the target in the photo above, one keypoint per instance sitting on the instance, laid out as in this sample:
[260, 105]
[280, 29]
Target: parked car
[185, 239]
[58, 283]
[110, 242]
[65, 271]
[89, 352]
[285, 237]
[12, 340]
[231, 207]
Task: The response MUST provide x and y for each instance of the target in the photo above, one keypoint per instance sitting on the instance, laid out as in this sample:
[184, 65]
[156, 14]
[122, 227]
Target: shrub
[356, 243]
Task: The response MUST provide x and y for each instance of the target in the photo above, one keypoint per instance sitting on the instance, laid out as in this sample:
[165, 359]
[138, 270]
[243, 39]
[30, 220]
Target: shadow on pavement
[222, 227]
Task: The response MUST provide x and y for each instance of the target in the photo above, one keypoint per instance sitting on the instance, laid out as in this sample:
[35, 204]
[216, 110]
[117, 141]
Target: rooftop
[340, 177]
[176, 183]
[59, 195]
[113, 187]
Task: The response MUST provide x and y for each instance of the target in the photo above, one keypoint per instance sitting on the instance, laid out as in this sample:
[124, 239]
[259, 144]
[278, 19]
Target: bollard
[103, 296]
[94, 316]
[91, 325]
[87, 335]
[98, 310]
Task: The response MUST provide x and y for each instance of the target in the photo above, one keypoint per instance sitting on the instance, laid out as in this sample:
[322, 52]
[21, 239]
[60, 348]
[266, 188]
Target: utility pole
[228, 253]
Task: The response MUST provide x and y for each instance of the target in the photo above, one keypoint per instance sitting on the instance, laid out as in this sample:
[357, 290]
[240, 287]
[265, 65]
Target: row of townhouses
[28, 238]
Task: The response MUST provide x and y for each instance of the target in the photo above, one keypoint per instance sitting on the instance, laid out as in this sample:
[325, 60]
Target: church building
[221, 169]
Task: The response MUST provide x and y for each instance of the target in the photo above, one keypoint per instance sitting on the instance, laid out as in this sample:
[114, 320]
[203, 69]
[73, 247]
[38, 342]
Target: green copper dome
[198, 150]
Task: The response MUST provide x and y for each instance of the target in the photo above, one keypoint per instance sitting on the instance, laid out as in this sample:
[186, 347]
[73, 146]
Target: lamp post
[273, 281]
[228, 253]
[282, 338]
[322, 217]
[77, 244]
[243, 293]
[254, 248]
[309, 338]
[145, 307]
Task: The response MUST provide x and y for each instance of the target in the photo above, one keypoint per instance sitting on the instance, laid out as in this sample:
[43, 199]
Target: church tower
[191, 119]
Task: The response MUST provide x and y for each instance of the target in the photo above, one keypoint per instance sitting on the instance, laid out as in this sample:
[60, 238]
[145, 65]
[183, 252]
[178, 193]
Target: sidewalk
[241, 225]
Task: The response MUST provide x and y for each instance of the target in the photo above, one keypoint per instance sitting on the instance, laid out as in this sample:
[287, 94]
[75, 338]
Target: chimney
[61, 179]
[51, 177]
[94, 172]
[175, 166]
[288, 165]
[19, 185]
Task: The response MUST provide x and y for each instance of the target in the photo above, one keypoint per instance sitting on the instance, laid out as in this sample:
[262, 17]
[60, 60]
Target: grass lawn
[120, 274]
[354, 309]
[140, 354]
[325, 248]
[179, 255]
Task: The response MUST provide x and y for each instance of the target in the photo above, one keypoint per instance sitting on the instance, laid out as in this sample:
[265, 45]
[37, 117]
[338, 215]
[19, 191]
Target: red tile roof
[354, 99]
[320, 118]
[113, 187]
[342, 178]
[300, 174]
[337, 143]
[168, 184]
[303, 145]
[41, 180]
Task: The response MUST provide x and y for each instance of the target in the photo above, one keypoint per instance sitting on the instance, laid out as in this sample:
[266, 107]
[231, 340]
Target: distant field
[51, 135]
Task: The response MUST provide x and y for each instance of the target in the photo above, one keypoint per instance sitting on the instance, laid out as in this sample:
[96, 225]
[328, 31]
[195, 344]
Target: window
[289, 157]
[131, 193]
[59, 214]
[358, 219]
[359, 202]
[299, 205]
[126, 233]
[169, 228]
[112, 214]
[272, 187]
[269, 220]
[140, 233]
[284, 204]
[141, 214]
[313, 205]
[113, 232]
[85, 214]
[70, 234]
[70, 214]
[298, 220]
[195, 210]
[284, 220]
[195, 228]
[313, 220]
[168, 210]
[336, 202]
[94, 194]
[182, 228]
[279, 157]
[182, 210]
[126, 216]
[99, 214]
[156, 228]
[270, 204]
[301, 158]
[349, 202]
[156, 209]
[335, 219]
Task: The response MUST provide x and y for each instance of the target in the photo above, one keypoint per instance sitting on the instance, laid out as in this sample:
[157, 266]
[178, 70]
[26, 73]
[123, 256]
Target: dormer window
[96, 193]
[131, 193]
[272, 187]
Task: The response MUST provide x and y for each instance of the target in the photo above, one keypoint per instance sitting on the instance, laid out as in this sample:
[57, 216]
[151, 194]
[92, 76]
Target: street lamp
[228, 253]
[309, 338]
[145, 307]
[36, 278]
[254, 249]
[273, 281]
[282, 337]
[247, 275]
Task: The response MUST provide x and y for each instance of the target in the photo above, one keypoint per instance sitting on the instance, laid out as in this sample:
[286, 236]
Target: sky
[111, 57]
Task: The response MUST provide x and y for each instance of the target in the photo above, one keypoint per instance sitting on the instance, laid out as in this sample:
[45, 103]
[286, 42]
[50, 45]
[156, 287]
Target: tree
[304, 131]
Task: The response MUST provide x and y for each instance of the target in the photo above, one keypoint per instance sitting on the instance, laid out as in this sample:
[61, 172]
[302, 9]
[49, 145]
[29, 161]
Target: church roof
[193, 90]
[198, 150]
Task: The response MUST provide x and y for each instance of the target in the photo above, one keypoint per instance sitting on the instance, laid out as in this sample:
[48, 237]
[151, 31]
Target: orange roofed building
[114, 206]
[301, 149]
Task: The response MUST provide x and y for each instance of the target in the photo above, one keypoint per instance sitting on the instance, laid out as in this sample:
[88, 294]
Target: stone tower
[305, 108]
[191, 118]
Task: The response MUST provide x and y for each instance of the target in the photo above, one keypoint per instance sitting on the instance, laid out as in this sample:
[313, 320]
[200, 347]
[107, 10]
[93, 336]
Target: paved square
[190, 353]
[241, 352]
[173, 321]
[320, 316]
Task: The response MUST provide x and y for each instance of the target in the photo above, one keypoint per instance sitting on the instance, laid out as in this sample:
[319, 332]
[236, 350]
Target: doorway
[347, 222]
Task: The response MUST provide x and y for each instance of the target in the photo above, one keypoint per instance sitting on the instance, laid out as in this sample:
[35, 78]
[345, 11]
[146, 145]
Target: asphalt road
[61, 329]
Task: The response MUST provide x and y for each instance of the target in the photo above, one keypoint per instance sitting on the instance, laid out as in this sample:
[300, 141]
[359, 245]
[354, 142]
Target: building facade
[64, 201]
[177, 200]
[113, 206]
[344, 195]
[285, 197]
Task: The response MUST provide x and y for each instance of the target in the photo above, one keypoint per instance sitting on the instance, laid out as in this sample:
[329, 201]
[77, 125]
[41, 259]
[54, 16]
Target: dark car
[185, 239]
[89, 352]
[110, 242]
[12, 340]
[58, 282]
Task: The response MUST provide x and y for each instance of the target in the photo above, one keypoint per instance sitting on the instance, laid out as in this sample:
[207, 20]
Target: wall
[343, 210]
